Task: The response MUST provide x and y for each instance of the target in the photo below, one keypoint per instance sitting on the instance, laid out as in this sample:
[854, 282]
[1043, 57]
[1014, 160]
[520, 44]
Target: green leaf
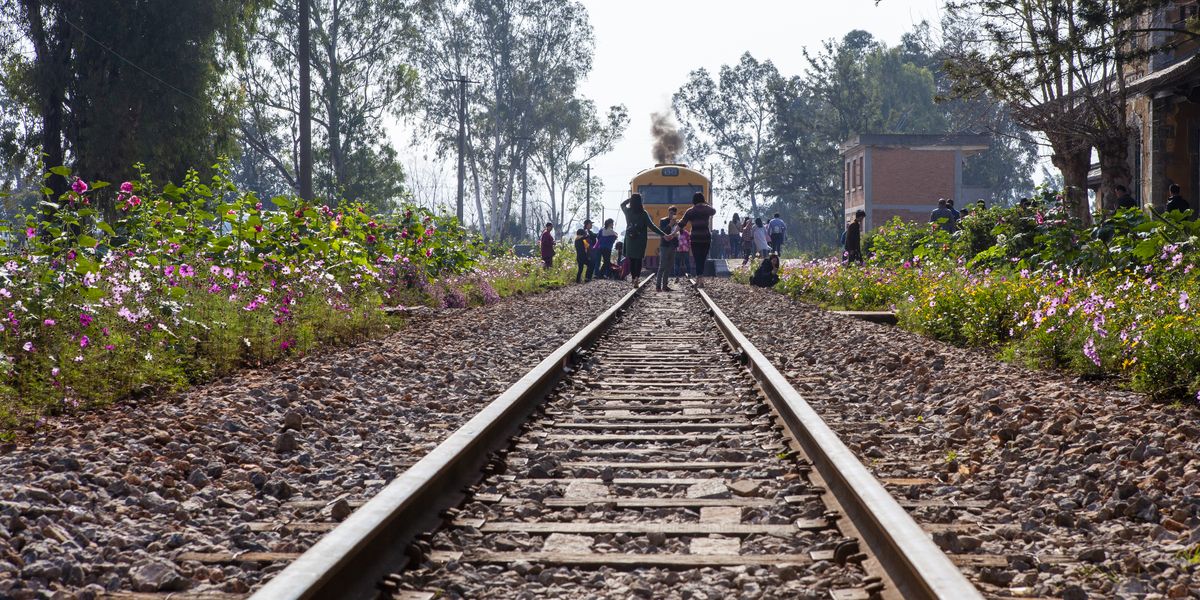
[60, 170]
[87, 241]
[106, 228]
[98, 185]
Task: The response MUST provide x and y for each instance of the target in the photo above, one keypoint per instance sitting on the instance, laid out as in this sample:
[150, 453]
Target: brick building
[1164, 107]
[905, 175]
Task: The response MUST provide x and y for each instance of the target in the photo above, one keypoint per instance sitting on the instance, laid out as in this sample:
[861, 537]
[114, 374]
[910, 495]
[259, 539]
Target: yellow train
[664, 186]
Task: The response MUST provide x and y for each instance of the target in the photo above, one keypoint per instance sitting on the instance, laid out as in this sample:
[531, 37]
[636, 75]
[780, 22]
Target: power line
[129, 62]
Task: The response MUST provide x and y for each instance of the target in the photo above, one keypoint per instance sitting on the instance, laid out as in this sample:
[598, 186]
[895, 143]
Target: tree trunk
[51, 52]
[1114, 169]
[1073, 157]
[333, 100]
[304, 58]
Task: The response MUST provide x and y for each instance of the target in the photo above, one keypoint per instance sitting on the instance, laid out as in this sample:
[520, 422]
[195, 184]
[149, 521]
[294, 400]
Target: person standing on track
[699, 216]
[776, 228]
[593, 255]
[608, 237]
[548, 245]
[735, 237]
[747, 240]
[637, 226]
[581, 254]
[667, 246]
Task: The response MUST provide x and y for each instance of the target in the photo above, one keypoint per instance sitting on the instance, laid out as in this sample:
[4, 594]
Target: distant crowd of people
[685, 243]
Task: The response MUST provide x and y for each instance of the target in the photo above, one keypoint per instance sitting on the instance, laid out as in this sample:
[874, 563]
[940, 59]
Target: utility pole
[462, 141]
[589, 192]
[306, 160]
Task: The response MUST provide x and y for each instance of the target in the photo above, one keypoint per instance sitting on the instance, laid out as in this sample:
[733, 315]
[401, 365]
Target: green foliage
[1115, 299]
[193, 281]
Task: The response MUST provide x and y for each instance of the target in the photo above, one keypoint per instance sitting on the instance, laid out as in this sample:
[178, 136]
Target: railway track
[656, 454]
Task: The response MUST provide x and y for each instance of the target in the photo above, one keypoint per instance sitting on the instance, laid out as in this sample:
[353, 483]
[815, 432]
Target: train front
[662, 187]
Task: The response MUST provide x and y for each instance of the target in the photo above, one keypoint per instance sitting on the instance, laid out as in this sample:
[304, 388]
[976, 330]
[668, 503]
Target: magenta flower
[83, 342]
[126, 187]
[49, 323]
[1089, 350]
[85, 319]
[79, 186]
[428, 252]
[186, 271]
[30, 233]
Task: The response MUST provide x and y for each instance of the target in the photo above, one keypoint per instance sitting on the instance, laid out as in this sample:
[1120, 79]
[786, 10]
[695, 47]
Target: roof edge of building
[947, 141]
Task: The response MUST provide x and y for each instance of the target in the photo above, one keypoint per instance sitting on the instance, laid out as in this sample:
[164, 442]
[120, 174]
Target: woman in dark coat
[767, 274]
[637, 223]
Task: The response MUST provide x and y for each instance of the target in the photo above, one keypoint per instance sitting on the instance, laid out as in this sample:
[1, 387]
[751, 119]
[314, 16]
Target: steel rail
[348, 562]
[915, 565]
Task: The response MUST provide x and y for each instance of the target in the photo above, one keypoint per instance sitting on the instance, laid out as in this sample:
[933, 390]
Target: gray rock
[1074, 592]
[293, 419]
[1092, 555]
[286, 442]
[198, 479]
[156, 576]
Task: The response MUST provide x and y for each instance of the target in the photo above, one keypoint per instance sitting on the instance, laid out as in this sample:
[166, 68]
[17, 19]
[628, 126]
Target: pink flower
[186, 271]
[79, 186]
[428, 252]
[85, 319]
[28, 347]
[54, 372]
[49, 323]
[126, 187]
[83, 342]
[30, 233]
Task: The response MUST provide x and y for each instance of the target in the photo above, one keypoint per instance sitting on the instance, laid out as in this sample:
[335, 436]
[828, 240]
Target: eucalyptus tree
[572, 134]
[112, 85]
[730, 119]
[522, 57]
[361, 77]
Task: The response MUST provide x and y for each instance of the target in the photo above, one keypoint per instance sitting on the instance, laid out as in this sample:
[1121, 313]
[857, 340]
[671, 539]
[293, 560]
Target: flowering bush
[187, 282]
[1118, 299]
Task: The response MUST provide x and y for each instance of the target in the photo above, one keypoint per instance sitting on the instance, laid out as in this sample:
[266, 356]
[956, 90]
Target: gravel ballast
[1087, 490]
[111, 500]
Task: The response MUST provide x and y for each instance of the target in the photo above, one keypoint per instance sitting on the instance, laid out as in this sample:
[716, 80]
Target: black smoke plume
[668, 142]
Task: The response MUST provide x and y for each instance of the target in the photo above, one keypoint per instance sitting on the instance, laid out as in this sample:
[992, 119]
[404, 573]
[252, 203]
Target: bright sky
[646, 48]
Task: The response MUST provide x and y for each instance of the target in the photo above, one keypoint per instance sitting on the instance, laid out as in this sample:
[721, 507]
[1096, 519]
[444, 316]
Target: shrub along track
[1084, 490]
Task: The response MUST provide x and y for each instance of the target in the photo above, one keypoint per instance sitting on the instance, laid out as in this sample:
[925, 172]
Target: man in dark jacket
[1177, 202]
[547, 242]
[853, 244]
[1124, 200]
[593, 254]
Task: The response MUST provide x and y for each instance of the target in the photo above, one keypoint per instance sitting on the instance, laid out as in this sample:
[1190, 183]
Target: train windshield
[668, 194]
